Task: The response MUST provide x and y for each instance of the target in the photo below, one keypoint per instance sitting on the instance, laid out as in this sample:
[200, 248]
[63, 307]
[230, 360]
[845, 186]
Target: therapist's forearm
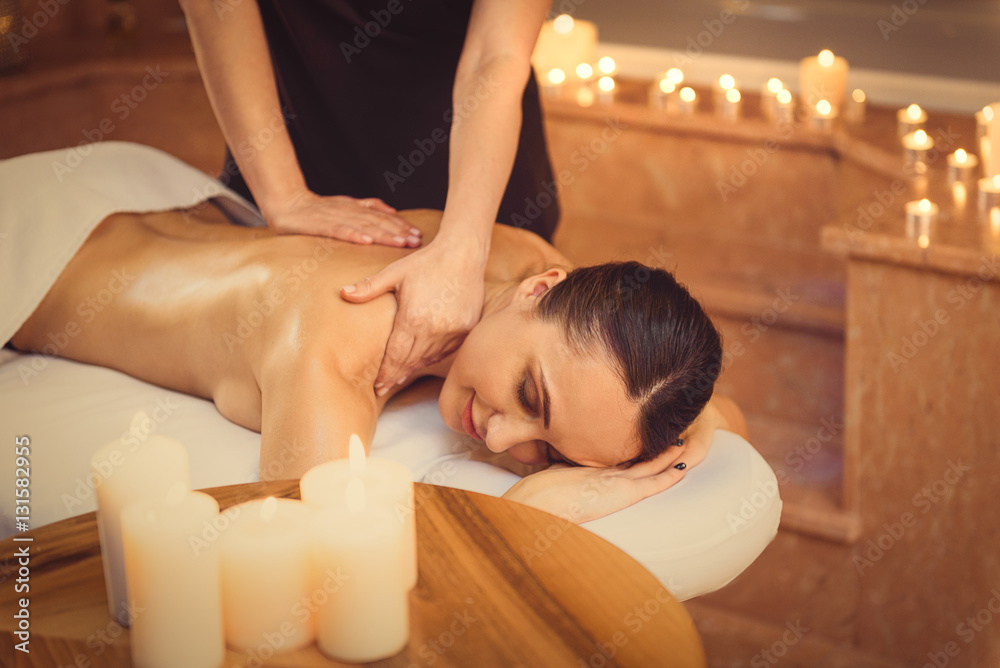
[483, 146]
[236, 67]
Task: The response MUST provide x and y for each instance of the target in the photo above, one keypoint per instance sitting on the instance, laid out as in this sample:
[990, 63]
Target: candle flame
[675, 76]
[733, 96]
[268, 508]
[824, 108]
[858, 95]
[606, 65]
[606, 84]
[687, 94]
[727, 82]
[584, 71]
[774, 86]
[924, 205]
[920, 137]
[826, 58]
[356, 496]
[960, 194]
[961, 156]
[667, 86]
[563, 24]
[784, 97]
[923, 241]
[356, 455]
[914, 111]
[556, 76]
[988, 114]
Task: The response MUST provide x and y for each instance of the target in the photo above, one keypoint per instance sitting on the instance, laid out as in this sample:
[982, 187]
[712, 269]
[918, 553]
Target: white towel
[50, 203]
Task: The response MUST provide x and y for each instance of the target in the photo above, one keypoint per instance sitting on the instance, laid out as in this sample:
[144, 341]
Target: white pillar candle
[768, 97]
[823, 77]
[857, 106]
[388, 484]
[983, 118]
[173, 580]
[563, 43]
[915, 148]
[367, 618]
[989, 193]
[266, 576]
[137, 466]
[910, 120]
[991, 157]
[962, 166]
[784, 107]
[821, 116]
[687, 101]
[606, 90]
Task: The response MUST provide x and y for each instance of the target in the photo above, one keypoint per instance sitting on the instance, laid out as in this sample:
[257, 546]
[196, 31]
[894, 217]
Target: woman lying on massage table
[604, 368]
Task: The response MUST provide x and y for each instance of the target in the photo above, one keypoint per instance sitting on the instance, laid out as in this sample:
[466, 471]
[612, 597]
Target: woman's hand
[440, 293]
[360, 221]
[581, 493]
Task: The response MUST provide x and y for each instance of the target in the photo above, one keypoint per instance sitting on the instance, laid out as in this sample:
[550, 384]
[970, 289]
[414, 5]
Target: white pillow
[695, 537]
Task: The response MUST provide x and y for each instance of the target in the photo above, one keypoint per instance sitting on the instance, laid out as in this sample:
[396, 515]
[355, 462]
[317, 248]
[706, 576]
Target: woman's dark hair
[667, 351]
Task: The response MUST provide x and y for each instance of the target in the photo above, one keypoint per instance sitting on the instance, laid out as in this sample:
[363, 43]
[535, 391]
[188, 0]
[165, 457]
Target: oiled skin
[248, 319]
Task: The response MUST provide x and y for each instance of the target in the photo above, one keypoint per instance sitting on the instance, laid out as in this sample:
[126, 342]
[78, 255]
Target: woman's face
[517, 385]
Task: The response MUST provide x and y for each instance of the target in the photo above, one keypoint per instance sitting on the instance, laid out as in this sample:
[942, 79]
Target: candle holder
[784, 108]
[687, 101]
[960, 195]
[857, 107]
[962, 166]
[920, 216]
[989, 193]
[730, 109]
[910, 120]
[821, 117]
[553, 85]
[916, 145]
[606, 90]
[725, 84]
[661, 94]
[768, 97]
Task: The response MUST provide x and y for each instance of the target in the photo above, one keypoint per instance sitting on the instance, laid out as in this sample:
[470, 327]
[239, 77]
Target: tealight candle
[989, 193]
[784, 107]
[606, 65]
[265, 575]
[983, 118]
[389, 484]
[173, 582]
[920, 215]
[725, 84]
[140, 466]
[368, 618]
[910, 120]
[915, 148]
[584, 72]
[661, 92]
[563, 43]
[675, 76]
[730, 110]
[606, 90]
[687, 101]
[768, 96]
[553, 83]
[821, 116]
[823, 77]
[962, 166]
[857, 105]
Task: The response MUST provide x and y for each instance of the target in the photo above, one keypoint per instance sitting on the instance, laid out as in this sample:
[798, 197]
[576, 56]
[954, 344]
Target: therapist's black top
[366, 92]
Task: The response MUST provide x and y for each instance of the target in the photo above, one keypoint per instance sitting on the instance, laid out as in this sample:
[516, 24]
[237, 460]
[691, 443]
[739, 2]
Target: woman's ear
[535, 286]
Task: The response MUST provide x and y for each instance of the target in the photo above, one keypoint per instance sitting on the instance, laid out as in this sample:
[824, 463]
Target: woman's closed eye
[522, 397]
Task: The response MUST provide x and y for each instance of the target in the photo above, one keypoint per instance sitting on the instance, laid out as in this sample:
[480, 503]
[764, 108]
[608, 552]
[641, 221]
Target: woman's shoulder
[516, 253]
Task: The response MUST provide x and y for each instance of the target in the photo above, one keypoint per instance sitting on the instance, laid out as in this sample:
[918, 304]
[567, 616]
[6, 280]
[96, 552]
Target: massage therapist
[331, 108]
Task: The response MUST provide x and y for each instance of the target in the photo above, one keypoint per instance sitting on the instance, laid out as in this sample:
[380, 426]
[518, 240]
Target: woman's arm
[232, 53]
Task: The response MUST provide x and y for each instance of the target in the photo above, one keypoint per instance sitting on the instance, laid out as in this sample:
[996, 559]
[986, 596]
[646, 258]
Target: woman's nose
[503, 435]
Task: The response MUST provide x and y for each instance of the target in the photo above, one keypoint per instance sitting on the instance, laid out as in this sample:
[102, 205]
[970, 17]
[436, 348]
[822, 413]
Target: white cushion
[695, 537]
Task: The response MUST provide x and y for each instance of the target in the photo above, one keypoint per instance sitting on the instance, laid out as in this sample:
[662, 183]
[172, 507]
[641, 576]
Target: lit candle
[140, 465]
[687, 101]
[915, 148]
[991, 156]
[725, 84]
[731, 105]
[563, 43]
[822, 116]
[553, 83]
[962, 166]
[920, 215]
[606, 90]
[606, 65]
[266, 575]
[857, 105]
[389, 484]
[784, 107]
[823, 77]
[368, 618]
[989, 193]
[661, 92]
[173, 581]
[983, 118]
[768, 96]
[910, 120]
[584, 72]
[675, 76]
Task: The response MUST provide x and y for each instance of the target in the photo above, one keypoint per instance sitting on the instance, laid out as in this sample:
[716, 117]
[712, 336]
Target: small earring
[680, 441]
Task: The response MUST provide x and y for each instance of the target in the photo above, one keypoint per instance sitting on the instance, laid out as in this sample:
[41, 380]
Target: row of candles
[265, 576]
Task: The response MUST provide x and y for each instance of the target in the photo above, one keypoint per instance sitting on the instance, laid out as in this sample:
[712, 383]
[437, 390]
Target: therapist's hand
[440, 293]
[360, 221]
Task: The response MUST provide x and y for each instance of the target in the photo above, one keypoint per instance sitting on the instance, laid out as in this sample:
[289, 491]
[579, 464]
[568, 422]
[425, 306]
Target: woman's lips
[468, 423]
